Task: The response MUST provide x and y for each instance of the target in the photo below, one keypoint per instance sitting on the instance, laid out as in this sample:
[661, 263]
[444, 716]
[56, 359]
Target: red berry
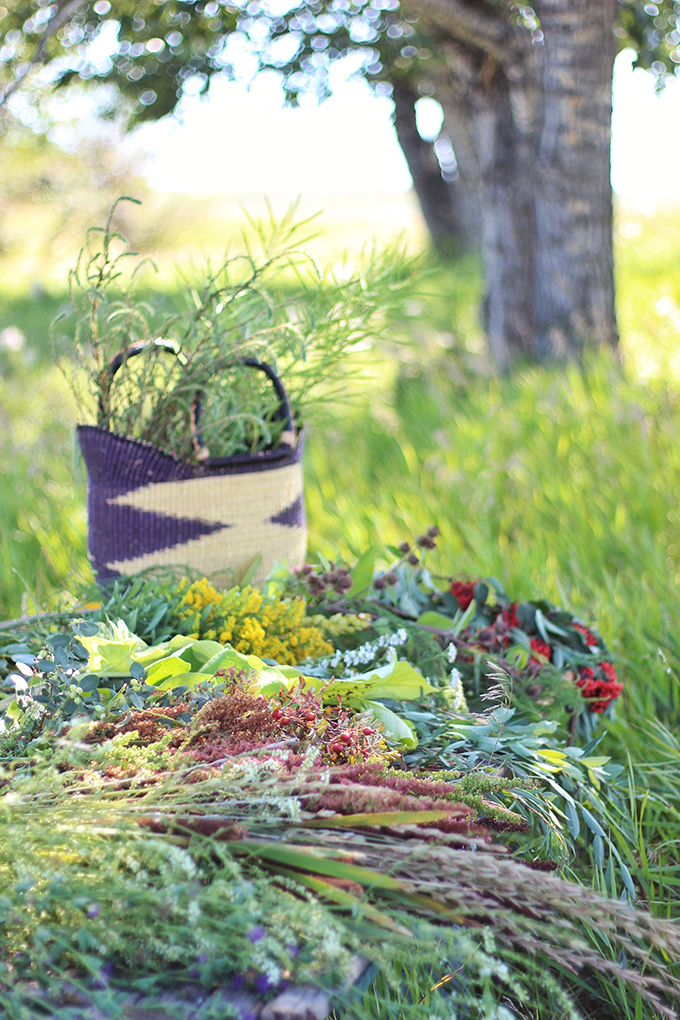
[277, 713]
[367, 731]
[346, 737]
[285, 721]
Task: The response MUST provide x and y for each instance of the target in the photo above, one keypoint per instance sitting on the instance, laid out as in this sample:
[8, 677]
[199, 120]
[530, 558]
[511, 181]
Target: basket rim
[282, 453]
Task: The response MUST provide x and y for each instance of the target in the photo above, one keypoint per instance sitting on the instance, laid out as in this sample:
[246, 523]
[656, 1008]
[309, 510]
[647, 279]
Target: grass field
[560, 482]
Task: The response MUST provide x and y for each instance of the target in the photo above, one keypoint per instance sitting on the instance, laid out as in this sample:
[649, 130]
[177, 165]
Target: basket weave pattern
[147, 508]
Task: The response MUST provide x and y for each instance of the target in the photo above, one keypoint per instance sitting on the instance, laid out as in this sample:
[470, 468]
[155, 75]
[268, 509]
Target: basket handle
[283, 413]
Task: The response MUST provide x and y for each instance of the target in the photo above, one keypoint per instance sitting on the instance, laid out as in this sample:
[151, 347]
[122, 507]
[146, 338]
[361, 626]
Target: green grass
[560, 482]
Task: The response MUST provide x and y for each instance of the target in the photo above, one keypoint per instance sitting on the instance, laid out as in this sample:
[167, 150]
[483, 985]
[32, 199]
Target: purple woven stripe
[293, 516]
[116, 466]
[123, 532]
[121, 465]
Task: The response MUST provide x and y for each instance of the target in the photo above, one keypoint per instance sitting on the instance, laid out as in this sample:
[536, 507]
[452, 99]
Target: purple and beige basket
[218, 518]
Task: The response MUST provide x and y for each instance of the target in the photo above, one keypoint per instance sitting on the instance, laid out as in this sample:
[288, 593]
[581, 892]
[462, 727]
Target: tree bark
[506, 223]
[539, 114]
[450, 209]
[574, 265]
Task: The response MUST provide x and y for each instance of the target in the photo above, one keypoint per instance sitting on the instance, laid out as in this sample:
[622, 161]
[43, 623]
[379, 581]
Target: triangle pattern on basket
[126, 533]
[237, 519]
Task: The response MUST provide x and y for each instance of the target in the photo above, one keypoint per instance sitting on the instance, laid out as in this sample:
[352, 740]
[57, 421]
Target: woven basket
[148, 509]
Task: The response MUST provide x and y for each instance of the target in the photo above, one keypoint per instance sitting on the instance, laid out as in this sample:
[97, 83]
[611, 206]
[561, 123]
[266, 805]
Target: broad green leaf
[598, 851]
[557, 757]
[272, 680]
[572, 819]
[401, 683]
[250, 574]
[377, 818]
[593, 763]
[111, 650]
[627, 881]
[147, 657]
[437, 620]
[545, 727]
[396, 728]
[89, 683]
[202, 651]
[111, 658]
[172, 666]
[228, 658]
[593, 823]
[461, 621]
[362, 574]
[346, 899]
[189, 680]
[397, 680]
[297, 857]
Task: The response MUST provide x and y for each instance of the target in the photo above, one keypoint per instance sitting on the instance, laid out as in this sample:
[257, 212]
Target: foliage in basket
[269, 302]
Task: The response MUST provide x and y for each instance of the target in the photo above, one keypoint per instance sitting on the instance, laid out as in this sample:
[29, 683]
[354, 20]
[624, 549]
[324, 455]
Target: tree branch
[471, 26]
[64, 11]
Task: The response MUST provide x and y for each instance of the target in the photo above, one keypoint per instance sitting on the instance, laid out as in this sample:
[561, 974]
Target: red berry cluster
[344, 737]
[605, 687]
[541, 648]
[598, 684]
[464, 592]
[589, 637]
[509, 616]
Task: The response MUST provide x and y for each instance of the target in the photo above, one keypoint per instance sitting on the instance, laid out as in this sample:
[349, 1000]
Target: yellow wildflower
[272, 628]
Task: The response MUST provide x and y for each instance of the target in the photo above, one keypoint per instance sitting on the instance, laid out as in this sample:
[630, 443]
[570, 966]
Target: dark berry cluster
[336, 580]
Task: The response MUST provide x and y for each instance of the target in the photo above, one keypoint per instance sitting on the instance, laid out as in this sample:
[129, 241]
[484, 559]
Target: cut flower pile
[269, 782]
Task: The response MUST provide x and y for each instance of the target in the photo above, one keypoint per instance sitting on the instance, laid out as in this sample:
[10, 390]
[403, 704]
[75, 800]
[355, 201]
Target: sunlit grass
[561, 483]
[648, 291]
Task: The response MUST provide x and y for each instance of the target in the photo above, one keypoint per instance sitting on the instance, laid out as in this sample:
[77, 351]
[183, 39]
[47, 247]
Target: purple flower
[238, 982]
[255, 934]
[102, 981]
[194, 973]
[93, 911]
[263, 984]
[248, 1016]
[292, 951]
[202, 958]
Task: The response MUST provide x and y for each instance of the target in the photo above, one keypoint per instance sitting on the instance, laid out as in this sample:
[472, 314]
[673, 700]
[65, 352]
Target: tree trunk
[543, 144]
[538, 102]
[574, 266]
[449, 208]
[506, 223]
